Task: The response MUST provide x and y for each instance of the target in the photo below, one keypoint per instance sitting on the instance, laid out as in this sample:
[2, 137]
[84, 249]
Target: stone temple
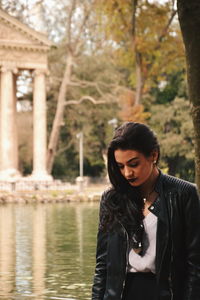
[22, 48]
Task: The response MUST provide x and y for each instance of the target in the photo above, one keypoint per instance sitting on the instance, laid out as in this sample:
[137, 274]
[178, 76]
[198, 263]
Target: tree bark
[58, 120]
[134, 3]
[138, 58]
[189, 18]
[139, 79]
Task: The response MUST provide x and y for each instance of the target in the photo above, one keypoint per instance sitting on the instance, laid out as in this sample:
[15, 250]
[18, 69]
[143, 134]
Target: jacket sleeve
[99, 283]
[192, 235]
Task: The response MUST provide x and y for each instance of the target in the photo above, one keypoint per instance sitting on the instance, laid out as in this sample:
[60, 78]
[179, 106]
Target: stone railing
[36, 185]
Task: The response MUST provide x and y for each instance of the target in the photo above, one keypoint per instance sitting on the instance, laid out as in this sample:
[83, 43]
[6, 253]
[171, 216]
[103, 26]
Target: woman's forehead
[127, 155]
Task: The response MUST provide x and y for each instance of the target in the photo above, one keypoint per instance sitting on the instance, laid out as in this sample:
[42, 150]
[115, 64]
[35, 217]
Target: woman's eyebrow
[130, 160]
[134, 158]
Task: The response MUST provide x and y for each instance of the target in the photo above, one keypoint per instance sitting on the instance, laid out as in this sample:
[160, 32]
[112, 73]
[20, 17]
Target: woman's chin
[134, 183]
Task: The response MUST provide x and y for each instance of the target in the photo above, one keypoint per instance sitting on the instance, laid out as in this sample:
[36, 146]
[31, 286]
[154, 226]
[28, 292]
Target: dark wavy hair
[123, 202]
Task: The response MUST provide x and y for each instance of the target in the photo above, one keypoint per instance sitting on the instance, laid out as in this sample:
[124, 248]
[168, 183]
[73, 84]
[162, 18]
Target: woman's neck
[147, 187]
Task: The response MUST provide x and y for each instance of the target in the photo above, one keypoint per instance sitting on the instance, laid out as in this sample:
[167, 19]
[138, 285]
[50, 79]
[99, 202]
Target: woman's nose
[128, 172]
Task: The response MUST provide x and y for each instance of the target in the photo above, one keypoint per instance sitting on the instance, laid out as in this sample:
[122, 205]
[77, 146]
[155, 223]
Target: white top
[146, 263]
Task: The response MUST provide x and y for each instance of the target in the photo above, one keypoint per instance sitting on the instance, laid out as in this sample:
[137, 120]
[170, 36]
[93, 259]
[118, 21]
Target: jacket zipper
[158, 274]
[171, 256]
[127, 253]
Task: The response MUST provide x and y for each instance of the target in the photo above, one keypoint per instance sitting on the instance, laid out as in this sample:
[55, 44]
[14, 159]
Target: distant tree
[189, 17]
[150, 50]
[176, 136]
[81, 38]
[96, 79]
[174, 86]
[80, 79]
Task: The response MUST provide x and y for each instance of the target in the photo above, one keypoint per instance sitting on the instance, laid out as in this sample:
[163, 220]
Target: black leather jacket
[177, 249]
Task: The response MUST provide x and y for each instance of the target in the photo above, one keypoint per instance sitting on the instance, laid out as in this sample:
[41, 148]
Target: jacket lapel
[160, 209]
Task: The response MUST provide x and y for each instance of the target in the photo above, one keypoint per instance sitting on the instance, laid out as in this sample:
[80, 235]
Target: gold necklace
[146, 198]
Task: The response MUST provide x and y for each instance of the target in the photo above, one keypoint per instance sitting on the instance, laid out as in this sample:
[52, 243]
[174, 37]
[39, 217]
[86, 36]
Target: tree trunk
[58, 120]
[189, 18]
[139, 80]
[138, 58]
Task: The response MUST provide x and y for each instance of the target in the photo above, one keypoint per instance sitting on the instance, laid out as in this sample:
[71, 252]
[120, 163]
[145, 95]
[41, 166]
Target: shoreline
[34, 197]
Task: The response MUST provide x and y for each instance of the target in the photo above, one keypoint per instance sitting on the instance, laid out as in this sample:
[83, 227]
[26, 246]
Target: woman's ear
[154, 156]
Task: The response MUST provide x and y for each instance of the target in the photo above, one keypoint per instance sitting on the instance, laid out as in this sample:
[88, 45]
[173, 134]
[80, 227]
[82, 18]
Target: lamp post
[79, 179]
[80, 137]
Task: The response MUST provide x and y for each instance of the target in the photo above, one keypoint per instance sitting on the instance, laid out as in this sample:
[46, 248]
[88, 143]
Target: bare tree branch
[61, 150]
[85, 83]
[165, 29]
[69, 23]
[55, 132]
[84, 98]
[134, 4]
[173, 3]
[116, 88]
[78, 40]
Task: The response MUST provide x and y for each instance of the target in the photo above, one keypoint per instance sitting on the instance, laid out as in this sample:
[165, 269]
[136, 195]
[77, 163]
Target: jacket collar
[159, 207]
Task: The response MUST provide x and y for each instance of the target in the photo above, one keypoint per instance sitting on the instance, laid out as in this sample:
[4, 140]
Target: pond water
[47, 251]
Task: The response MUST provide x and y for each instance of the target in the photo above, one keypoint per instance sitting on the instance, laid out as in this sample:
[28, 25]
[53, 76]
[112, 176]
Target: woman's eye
[133, 165]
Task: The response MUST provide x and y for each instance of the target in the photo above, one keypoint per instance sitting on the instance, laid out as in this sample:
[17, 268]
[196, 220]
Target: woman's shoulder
[178, 184]
[107, 193]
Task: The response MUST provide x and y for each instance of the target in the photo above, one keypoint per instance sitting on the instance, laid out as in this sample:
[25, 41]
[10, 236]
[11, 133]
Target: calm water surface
[47, 251]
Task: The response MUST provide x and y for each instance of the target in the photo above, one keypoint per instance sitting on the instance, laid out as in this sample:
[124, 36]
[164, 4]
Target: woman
[148, 244]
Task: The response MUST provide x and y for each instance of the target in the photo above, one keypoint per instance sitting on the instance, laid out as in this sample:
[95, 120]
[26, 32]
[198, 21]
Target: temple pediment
[14, 34]
[21, 47]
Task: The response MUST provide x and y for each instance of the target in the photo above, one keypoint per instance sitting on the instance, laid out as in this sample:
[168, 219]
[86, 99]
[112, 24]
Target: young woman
[148, 244]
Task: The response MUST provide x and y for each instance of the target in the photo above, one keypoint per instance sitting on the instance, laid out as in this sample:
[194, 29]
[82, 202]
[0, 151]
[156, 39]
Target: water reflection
[39, 251]
[47, 251]
[7, 251]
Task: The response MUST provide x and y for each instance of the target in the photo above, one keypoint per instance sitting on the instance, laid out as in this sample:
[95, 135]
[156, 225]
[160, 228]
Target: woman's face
[134, 166]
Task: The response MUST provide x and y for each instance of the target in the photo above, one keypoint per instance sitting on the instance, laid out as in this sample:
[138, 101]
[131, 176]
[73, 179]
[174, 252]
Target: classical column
[39, 128]
[8, 126]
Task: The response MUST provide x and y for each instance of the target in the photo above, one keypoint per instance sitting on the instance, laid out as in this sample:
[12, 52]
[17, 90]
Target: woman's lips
[132, 179]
